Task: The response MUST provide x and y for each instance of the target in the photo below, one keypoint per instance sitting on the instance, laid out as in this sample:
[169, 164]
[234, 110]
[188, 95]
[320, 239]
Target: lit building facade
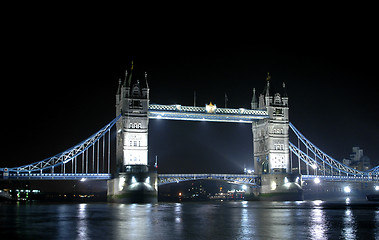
[271, 152]
[132, 101]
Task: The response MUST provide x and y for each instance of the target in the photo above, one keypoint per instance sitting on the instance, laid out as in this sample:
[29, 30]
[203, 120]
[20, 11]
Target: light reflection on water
[212, 220]
[82, 227]
[318, 227]
[349, 225]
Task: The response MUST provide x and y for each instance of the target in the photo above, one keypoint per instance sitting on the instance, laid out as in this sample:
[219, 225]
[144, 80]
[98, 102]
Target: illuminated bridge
[274, 155]
[91, 158]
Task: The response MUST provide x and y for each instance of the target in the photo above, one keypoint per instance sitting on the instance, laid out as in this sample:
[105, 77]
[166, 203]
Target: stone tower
[271, 150]
[133, 181]
[132, 101]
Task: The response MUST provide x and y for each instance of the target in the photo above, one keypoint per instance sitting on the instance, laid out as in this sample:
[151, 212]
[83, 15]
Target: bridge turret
[133, 181]
[132, 137]
[271, 140]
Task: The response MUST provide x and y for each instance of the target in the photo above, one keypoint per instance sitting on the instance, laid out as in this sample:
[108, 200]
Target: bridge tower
[133, 181]
[271, 147]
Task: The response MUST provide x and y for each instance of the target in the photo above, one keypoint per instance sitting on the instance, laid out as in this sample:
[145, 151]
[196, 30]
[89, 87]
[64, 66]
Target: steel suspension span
[317, 163]
[89, 159]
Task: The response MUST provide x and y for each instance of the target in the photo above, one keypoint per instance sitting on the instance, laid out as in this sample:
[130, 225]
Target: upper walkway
[208, 113]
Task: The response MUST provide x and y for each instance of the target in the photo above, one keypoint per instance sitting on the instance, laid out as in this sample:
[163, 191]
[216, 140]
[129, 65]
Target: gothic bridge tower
[133, 181]
[271, 147]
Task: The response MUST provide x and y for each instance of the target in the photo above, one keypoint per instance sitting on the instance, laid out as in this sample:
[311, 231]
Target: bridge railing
[178, 112]
[354, 178]
[180, 108]
[59, 176]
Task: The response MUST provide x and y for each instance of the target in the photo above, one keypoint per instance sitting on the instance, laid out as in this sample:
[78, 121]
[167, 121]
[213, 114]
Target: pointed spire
[268, 98]
[130, 75]
[147, 84]
[126, 75]
[254, 103]
[119, 86]
[268, 84]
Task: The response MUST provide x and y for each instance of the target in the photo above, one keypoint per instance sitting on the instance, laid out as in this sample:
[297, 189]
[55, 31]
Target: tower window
[137, 103]
[278, 111]
[135, 125]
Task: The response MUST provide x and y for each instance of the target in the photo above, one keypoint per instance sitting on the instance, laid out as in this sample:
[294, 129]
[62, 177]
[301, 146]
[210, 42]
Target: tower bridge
[281, 167]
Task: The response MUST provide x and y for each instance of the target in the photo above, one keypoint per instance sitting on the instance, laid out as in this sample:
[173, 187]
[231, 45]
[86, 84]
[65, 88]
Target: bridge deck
[374, 178]
[178, 112]
[57, 176]
[170, 178]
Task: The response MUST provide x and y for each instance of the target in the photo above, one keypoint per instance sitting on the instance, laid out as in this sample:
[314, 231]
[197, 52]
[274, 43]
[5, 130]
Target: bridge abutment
[280, 187]
[136, 185]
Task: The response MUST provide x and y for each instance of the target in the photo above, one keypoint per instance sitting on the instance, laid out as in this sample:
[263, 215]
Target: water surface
[210, 220]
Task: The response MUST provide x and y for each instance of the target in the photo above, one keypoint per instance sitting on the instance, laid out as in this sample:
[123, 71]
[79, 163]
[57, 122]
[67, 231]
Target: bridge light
[376, 188]
[121, 183]
[314, 166]
[347, 189]
[317, 180]
[83, 179]
[273, 185]
[244, 187]
[134, 180]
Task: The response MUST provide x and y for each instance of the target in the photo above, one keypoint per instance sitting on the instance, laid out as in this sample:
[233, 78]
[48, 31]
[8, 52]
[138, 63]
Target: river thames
[205, 220]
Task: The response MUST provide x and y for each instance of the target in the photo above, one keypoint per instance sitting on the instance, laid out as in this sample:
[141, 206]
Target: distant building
[358, 160]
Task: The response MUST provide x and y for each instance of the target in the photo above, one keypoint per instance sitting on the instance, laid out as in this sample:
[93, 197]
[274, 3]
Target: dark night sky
[60, 78]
